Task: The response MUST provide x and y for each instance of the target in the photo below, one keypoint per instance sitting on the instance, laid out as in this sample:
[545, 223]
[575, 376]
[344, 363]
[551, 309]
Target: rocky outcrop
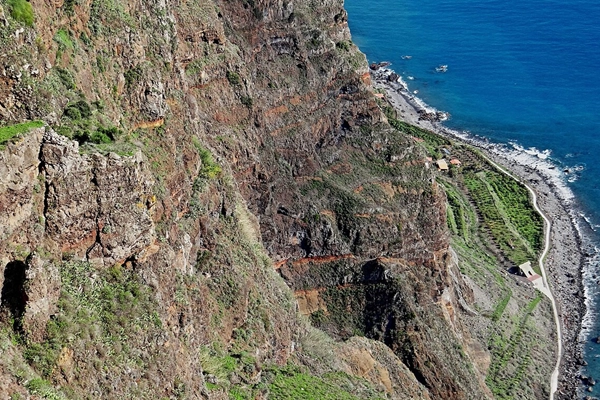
[20, 192]
[42, 290]
[96, 207]
[375, 362]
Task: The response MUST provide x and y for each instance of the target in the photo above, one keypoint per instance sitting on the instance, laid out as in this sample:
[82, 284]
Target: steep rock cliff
[195, 154]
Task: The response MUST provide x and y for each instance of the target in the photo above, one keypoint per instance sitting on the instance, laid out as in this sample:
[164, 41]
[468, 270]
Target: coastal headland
[565, 257]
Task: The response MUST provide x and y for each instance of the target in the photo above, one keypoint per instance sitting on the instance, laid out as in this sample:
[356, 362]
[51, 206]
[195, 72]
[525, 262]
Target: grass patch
[44, 389]
[106, 312]
[501, 306]
[63, 38]
[517, 205]
[501, 380]
[458, 212]
[21, 11]
[7, 133]
[210, 169]
[291, 383]
[518, 233]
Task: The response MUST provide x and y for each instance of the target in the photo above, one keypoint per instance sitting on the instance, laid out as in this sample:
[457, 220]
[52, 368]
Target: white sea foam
[555, 173]
[542, 163]
[402, 83]
[421, 105]
[591, 277]
[591, 289]
[538, 160]
[532, 157]
[541, 154]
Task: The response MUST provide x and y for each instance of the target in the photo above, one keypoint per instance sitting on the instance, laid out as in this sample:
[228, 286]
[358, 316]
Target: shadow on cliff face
[14, 297]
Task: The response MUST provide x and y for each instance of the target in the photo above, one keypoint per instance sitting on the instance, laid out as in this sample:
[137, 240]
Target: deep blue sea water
[526, 72]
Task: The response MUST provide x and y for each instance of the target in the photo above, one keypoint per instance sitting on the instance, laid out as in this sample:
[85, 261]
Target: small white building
[442, 165]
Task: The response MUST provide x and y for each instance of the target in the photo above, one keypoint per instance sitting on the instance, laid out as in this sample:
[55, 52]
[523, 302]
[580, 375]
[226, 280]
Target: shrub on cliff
[233, 78]
[210, 169]
[79, 109]
[101, 135]
[21, 11]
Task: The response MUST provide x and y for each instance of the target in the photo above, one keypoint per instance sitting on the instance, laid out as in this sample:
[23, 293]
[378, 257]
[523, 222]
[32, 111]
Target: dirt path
[548, 291]
[408, 112]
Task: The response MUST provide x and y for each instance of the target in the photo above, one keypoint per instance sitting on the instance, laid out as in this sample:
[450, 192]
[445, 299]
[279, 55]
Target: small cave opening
[14, 296]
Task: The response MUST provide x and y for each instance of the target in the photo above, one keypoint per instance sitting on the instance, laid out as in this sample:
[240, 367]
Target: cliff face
[195, 154]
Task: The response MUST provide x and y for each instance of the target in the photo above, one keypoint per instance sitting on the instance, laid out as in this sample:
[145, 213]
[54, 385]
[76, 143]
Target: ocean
[525, 74]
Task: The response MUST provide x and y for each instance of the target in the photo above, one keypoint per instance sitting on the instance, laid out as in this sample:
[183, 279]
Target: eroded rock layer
[208, 173]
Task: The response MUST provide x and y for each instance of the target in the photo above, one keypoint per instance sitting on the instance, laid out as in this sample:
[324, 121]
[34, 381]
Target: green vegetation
[291, 383]
[505, 209]
[432, 142]
[430, 138]
[492, 220]
[501, 306]
[100, 136]
[80, 123]
[233, 78]
[109, 310]
[69, 6]
[247, 101]
[210, 169]
[503, 204]
[459, 217]
[63, 38]
[344, 45]
[21, 11]
[133, 76]
[7, 133]
[44, 389]
[500, 379]
[107, 17]
[77, 110]
[218, 367]
[511, 337]
[65, 77]
[287, 382]
[517, 204]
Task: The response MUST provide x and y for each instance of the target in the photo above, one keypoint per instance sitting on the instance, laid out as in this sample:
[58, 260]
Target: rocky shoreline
[566, 257]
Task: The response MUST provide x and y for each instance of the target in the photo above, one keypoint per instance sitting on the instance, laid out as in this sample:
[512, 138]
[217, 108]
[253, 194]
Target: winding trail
[548, 291]
[403, 102]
